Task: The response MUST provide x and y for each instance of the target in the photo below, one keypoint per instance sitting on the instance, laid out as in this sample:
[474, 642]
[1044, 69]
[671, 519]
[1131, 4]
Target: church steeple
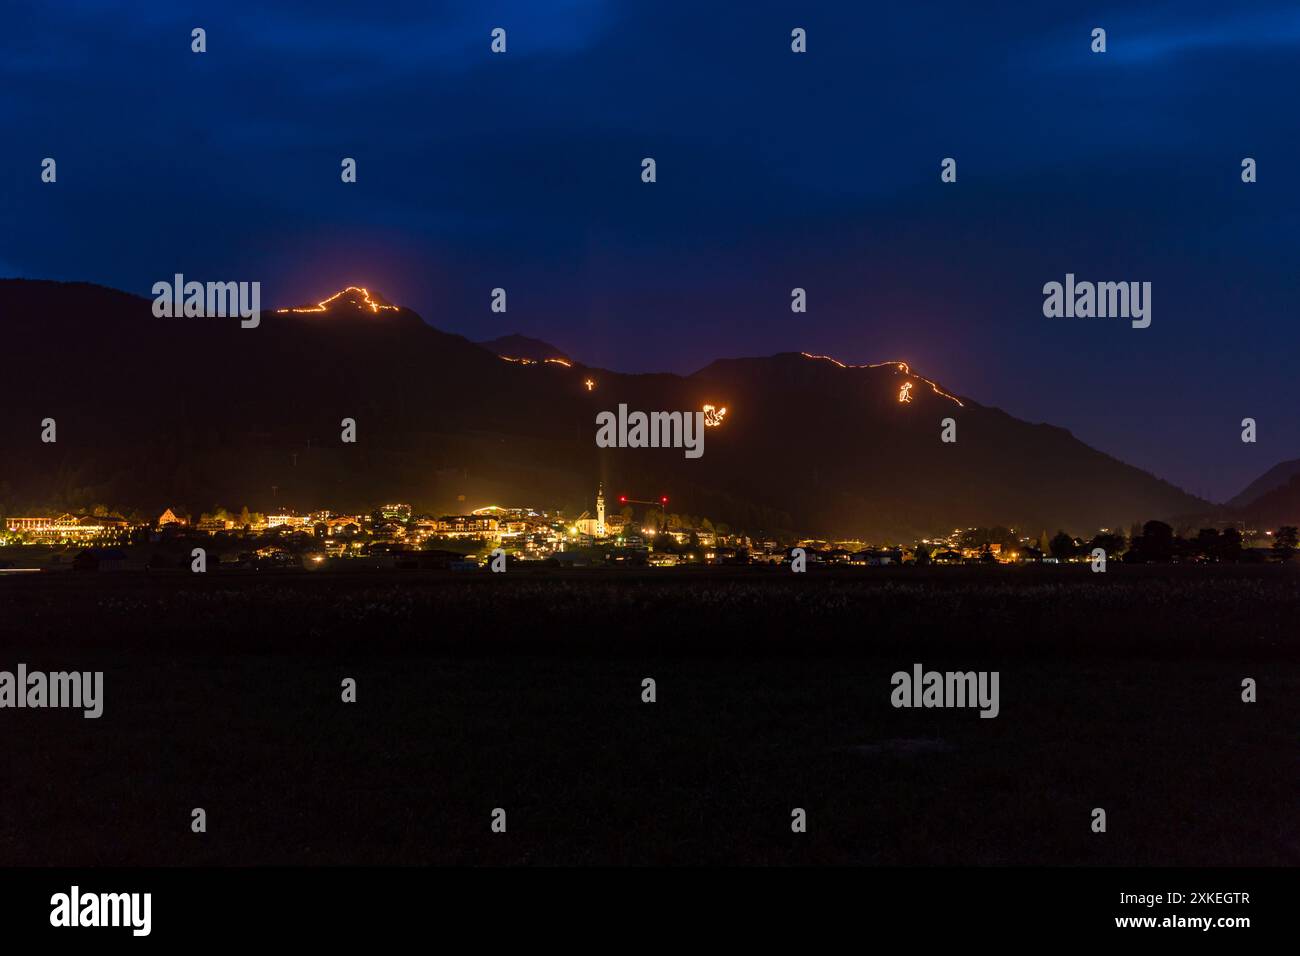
[600, 510]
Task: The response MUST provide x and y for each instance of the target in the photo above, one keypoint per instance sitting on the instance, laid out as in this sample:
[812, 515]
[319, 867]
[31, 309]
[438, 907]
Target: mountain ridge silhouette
[200, 412]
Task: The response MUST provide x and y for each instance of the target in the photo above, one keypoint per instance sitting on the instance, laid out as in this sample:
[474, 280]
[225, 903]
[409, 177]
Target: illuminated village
[636, 533]
[640, 533]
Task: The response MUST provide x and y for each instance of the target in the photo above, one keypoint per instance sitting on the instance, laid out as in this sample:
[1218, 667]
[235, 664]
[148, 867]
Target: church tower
[600, 510]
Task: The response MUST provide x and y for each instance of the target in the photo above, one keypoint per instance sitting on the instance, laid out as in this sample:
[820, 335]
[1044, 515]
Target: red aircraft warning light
[662, 502]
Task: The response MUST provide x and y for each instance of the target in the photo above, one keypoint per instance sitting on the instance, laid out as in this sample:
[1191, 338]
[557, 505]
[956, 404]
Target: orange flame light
[322, 306]
[713, 416]
[527, 361]
[902, 368]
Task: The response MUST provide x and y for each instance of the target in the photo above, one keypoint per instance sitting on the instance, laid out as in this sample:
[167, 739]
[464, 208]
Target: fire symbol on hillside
[354, 294]
[905, 393]
[713, 416]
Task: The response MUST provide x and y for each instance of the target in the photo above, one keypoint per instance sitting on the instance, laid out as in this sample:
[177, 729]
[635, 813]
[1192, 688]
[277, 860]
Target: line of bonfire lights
[527, 534]
[713, 415]
[364, 300]
[905, 392]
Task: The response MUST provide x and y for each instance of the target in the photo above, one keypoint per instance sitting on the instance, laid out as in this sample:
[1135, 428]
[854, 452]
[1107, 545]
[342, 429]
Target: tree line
[1156, 542]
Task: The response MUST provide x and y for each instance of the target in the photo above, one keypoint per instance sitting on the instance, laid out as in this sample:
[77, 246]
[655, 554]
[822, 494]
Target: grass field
[523, 691]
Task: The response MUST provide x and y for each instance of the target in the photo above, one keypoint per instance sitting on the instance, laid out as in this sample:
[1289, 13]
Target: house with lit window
[170, 517]
[468, 526]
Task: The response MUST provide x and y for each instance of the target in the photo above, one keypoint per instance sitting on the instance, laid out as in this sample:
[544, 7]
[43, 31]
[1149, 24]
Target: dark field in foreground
[523, 691]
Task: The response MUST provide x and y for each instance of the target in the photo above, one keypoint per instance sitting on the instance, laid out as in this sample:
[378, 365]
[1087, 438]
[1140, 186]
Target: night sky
[775, 170]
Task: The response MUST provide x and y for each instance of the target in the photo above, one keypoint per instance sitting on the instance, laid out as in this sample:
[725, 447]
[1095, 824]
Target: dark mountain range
[1280, 505]
[1276, 477]
[198, 412]
[521, 346]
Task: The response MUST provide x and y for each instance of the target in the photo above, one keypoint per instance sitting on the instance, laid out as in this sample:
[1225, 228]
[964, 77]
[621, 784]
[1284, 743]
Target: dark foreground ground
[523, 691]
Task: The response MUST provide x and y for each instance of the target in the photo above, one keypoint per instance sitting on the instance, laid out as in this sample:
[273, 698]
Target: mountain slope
[521, 346]
[1276, 477]
[1278, 506]
[199, 412]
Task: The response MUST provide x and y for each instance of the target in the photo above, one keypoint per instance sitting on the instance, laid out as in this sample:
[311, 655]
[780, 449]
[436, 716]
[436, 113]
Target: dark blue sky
[775, 170]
